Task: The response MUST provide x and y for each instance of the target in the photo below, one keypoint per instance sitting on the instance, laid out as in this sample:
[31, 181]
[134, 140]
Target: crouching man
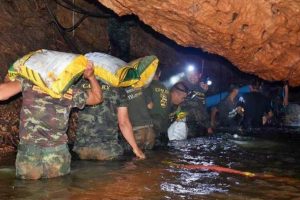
[43, 150]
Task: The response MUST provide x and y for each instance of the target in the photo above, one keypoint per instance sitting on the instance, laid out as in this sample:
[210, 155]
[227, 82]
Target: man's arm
[127, 132]
[95, 92]
[267, 117]
[9, 89]
[213, 114]
[286, 95]
[268, 112]
[202, 118]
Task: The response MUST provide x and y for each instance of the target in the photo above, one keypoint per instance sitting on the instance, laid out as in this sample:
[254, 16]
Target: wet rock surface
[259, 37]
[9, 126]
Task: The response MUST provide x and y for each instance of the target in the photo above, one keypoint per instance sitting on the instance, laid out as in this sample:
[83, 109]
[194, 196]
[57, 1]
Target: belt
[32, 147]
[140, 127]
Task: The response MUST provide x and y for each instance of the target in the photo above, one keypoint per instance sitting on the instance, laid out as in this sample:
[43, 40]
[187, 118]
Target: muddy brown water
[156, 178]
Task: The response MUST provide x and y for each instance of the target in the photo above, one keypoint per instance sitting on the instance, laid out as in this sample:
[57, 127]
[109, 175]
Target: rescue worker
[97, 132]
[257, 107]
[227, 110]
[178, 93]
[159, 99]
[140, 118]
[197, 118]
[43, 150]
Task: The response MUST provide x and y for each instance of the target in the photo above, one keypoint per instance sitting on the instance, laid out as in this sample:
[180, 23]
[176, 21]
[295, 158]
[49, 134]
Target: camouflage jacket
[43, 119]
[99, 123]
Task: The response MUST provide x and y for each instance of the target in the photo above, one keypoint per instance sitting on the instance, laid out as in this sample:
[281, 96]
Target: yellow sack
[112, 70]
[118, 73]
[145, 69]
[53, 71]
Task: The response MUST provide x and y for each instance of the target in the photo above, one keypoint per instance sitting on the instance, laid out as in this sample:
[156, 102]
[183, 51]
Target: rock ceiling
[260, 37]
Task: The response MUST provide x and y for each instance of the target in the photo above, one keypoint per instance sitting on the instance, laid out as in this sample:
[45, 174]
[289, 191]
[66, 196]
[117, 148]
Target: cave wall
[27, 26]
[24, 27]
[174, 58]
[260, 37]
[91, 34]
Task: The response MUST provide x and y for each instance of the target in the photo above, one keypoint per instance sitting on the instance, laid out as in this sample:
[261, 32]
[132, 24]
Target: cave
[230, 41]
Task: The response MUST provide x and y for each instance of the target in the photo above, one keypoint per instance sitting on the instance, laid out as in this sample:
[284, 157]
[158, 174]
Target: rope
[71, 6]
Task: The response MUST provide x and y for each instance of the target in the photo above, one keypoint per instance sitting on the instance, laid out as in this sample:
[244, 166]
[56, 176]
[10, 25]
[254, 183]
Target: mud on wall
[27, 26]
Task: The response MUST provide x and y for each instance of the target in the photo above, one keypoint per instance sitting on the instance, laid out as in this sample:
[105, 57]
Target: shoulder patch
[68, 96]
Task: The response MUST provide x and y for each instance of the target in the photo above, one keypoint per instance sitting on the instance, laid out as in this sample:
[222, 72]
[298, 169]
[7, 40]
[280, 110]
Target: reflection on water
[157, 178]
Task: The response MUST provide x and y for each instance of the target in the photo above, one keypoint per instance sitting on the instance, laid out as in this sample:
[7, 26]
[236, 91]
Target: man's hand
[240, 110]
[213, 124]
[139, 153]
[150, 105]
[264, 120]
[89, 71]
[210, 131]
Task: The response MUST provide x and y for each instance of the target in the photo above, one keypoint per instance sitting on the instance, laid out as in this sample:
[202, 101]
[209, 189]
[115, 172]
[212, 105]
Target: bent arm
[127, 132]
[9, 89]
[95, 93]
[286, 95]
[213, 114]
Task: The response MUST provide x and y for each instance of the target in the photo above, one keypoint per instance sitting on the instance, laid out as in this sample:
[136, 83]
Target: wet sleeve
[122, 98]
[24, 83]
[79, 97]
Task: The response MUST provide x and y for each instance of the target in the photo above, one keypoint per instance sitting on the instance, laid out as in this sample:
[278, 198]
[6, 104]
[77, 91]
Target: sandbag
[118, 73]
[178, 130]
[145, 68]
[112, 70]
[54, 72]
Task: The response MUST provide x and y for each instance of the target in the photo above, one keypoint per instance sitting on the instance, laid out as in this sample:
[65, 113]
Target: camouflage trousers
[102, 151]
[34, 162]
[145, 137]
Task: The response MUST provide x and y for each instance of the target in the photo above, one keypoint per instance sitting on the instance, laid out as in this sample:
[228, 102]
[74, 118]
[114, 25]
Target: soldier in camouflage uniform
[97, 133]
[43, 152]
[140, 118]
[197, 117]
[159, 97]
